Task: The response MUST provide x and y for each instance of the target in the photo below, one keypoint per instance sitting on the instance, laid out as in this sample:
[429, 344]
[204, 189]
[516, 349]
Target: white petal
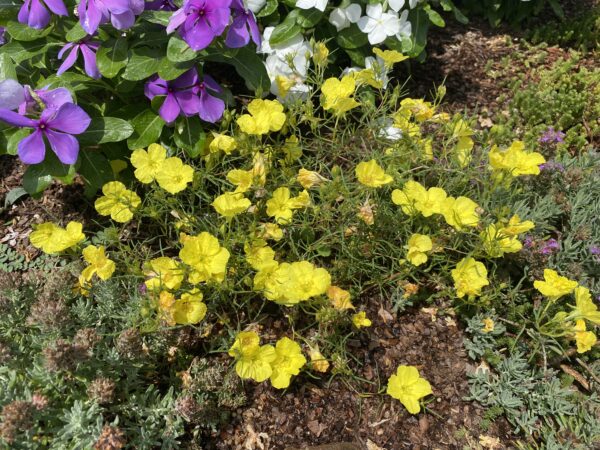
[396, 5]
[366, 24]
[338, 19]
[321, 4]
[353, 12]
[391, 24]
[305, 4]
[375, 11]
[377, 36]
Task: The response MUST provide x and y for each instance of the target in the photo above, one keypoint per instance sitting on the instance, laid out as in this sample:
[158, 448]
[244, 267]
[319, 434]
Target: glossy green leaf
[105, 129]
[112, 57]
[147, 127]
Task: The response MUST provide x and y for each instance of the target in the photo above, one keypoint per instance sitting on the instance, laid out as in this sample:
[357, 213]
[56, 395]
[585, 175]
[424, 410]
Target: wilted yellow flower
[340, 298]
[288, 361]
[309, 178]
[372, 174]
[265, 116]
[174, 175]
[163, 273]
[118, 202]
[148, 163]
[418, 246]
[98, 262]
[360, 320]
[231, 204]
[253, 361]
[205, 256]
[222, 142]
[271, 231]
[554, 286]
[419, 109]
[337, 94]
[365, 213]
[51, 238]
[469, 277]
[409, 387]
[166, 300]
[318, 361]
[488, 325]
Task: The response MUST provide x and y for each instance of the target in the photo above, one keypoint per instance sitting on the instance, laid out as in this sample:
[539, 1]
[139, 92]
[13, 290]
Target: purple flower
[2, 36]
[57, 126]
[549, 246]
[552, 166]
[34, 13]
[161, 5]
[211, 107]
[51, 99]
[200, 21]
[179, 92]
[595, 250]
[243, 26]
[88, 50]
[121, 13]
[552, 136]
[12, 94]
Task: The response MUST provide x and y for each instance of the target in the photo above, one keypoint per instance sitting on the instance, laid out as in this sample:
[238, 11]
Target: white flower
[286, 47]
[397, 5]
[12, 94]
[378, 25]
[405, 26]
[342, 17]
[378, 68]
[255, 5]
[307, 4]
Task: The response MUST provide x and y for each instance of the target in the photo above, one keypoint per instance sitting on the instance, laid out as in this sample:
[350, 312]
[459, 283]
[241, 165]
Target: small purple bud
[142, 289]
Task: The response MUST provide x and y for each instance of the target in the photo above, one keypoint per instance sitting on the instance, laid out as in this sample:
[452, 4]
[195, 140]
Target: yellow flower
[431, 201]
[222, 142]
[320, 54]
[469, 277]
[360, 320]
[515, 161]
[231, 204]
[259, 255]
[515, 226]
[189, 309]
[418, 246]
[166, 301]
[118, 202]
[407, 198]
[148, 163]
[205, 256]
[253, 361]
[554, 286]
[281, 204]
[389, 57]
[174, 175]
[82, 286]
[340, 298]
[420, 109]
[308, 178]
[488, 325]
[284, 84]
[99, 264]
[337, 94]
[289, 284]
[409, 387]
[271, 231]
[265, 116]
[163, 273]
[463, 150]
[585, 340]
[497, 242]
[460, 212]
[288, 361]
[585, 306]
[372, 174]
[318, 361]
[51, 238]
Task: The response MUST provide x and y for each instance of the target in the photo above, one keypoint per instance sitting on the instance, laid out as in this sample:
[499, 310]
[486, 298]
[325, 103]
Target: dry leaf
[489, 442]
[373, 446]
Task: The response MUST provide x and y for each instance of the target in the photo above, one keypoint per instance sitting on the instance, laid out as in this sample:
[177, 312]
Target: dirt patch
[317, 412]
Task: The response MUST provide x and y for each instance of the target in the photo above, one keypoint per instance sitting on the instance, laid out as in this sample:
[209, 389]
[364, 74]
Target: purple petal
[170, 109]
[69, 61]
[186, 80]
[254, 31]
[23, 16]
[156, 86]
[39, 16]
[238, 34]
[31, 150]
[57, 7]
[211, 83]
[218, 19]
[55, 98]
[16, 120]
[198, 35]
[122, 21]
[69, 118]
[89, 16]
[211, 108]
[117, 6]
[89, 61]
[189, 102]
[64, 145]
[64, 49]
[176, 20]
[12, 94]
[137, 6]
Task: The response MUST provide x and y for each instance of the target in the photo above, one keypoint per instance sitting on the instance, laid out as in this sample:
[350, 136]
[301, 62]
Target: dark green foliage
[581, 32]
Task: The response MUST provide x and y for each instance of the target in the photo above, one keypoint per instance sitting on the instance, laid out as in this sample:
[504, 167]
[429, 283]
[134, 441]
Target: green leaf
[147, 128]
[169, 70]
[251, 68]
[76, 33]
[106, 129]
[190, 136]
[351, 37]
[73, 81]
[15, 138]
[558, 10]
[112, 57]
[179, 51]
[95, 170]
[434, 16]
[21, 32]
[12, 196]
[308, 18]
[7, 68]
[143, 63]
[36, 179]
[269, 8]
[157, 17]
[285, 31]
[20, 51]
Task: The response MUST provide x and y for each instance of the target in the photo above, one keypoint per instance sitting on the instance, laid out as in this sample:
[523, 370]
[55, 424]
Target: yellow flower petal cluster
[270, 231]
[318, 361]
[222, 142]
[488, 325]
[460, 212]
[340, 299]
[409, 387]
[148, 163]
[371, 174]
[118, 202]
[389, 57]
[361, 320]
[245, 179]
[174, 175]
[515, 161]
[98, 263]
[207, 259]
[337, 94]
[463, 133]
[309, 178]
[231, 204]
[163, 273]
[585, 306]
[584, 340]
[469, 276]
[253, 361]
[51, 238]
[265, 116]
[281, 205]
[189, 309]
[501, 238]
[417, 108]
[418, 246]
[288, 361]
[554, 285]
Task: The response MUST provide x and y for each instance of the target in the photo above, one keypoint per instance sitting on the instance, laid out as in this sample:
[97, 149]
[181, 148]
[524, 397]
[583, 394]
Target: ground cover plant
[300, 237]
